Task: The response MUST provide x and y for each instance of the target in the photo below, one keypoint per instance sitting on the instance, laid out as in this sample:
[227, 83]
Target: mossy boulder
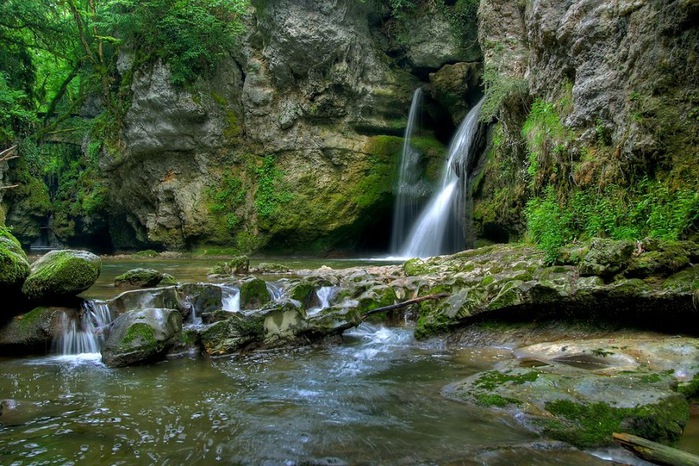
[254, 294]
[606, 258]
[141, 336]
[138, 278]
[31, 332]
[167, 280]
[14, 268]
[233, 334]
[239, 265]
[578, 406]
[61, 274]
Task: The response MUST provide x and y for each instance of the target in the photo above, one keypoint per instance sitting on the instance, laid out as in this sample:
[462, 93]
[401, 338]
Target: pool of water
[374, 398]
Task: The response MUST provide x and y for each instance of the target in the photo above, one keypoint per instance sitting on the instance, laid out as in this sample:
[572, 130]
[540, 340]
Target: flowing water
[374, 398]
[411, 188]
[436, 231]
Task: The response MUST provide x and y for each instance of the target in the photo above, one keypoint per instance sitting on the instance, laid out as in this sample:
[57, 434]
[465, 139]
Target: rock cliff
[587, 94]
[292, 144]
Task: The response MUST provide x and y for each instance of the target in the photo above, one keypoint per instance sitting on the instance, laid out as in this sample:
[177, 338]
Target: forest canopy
[56, 54]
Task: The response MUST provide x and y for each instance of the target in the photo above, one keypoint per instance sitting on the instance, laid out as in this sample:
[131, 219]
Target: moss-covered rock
[606, 257]
[233, 334]
[239, 265]
[254, 294]
[579, 406]
[141, 336]
[61, 274]
[167, 280]
[138, 278]
[14, 269]
[31, 332]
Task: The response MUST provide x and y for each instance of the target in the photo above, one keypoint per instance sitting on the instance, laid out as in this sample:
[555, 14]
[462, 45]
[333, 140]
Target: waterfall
[435, 228]
[230, 299]
[411, 188]
[324, 294]
[84, 334]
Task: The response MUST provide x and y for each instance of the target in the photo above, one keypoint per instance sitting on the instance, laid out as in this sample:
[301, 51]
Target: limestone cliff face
[622, 77]
[292, 144]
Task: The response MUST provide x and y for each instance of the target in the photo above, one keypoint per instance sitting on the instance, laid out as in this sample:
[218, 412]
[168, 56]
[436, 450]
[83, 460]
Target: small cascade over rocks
[84, 333]
[437, 230]
[230, 299]
[324, 295]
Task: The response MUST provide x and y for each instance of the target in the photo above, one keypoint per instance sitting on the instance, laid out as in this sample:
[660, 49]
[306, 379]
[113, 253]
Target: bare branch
[9, 153]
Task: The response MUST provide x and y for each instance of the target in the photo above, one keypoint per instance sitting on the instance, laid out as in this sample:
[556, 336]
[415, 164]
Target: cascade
[230, 299]
[324, 294]
[411, 188]
[436, 231]
[84, 334]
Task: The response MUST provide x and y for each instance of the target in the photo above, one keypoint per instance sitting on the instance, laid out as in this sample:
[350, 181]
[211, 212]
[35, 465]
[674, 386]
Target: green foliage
[271, 193]
[13, 111]
[546, 139]
[648, 208]
[190, 36]
[547, 224]
[226, 197]
[500, 88]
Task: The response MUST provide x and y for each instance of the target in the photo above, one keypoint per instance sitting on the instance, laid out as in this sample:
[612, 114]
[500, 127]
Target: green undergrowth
[648, 208]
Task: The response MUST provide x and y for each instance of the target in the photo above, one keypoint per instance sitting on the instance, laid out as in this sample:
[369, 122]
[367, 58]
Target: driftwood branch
[8, 153]
[655, 452]
[404, 304]
[9, 187]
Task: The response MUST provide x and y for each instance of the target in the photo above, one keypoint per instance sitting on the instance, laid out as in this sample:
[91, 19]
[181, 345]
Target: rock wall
[311, 106]
[622, 78]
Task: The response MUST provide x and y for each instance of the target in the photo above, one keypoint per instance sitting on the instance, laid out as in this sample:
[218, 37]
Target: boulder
[581, 391]
[141, 336]
[61, 274]
[236, 332]
[32, 332]
[138, 278]
[14, 269]
[254, 294]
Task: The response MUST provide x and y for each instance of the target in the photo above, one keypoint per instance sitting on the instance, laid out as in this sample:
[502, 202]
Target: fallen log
[404, 304]
[655, 452]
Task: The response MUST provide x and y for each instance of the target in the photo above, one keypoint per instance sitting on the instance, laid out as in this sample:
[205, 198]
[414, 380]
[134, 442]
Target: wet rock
[61, 274]
[233, 334]
[141, 336]
[32, 332]
[584, 409]
[512, 281]
[254, 294]
[582, 390]
[14, 269]
[138, 278]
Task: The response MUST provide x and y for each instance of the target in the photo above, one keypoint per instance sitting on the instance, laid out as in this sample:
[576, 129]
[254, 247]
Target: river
[372, 399]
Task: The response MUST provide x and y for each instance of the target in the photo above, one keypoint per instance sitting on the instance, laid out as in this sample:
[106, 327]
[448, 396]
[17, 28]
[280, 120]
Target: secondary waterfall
[436, 232]
[84, 334]
[411, 187]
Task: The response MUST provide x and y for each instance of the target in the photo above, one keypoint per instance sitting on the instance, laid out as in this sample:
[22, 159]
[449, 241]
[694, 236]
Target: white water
[276, 291]
[84, 334]
[430, 232]
[230, 299]
[411, 188]
[324, 295]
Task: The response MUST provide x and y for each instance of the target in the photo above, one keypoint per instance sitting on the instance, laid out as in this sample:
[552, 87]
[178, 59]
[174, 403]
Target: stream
[372, 399]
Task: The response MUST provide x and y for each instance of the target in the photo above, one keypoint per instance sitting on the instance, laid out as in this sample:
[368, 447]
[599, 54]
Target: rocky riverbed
[604, 339]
